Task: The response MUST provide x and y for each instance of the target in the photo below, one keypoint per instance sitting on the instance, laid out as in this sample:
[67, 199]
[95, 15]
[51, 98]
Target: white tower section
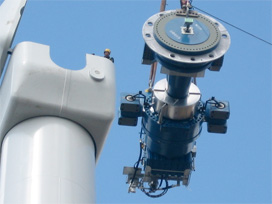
[54, 163]
[53, 122]
[10, 15]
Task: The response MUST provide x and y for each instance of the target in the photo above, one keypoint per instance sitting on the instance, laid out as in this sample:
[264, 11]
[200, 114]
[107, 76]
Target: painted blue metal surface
[182, 68]
[164, 166]
[216, 114]
[130, 106]
[130, 109]
[169, 144]
[218, 110]
[178, 86]
[171, 138]
[173, 30]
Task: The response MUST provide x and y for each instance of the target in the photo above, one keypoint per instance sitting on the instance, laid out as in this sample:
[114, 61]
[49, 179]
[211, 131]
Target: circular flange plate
[204, 35]
[201, 51]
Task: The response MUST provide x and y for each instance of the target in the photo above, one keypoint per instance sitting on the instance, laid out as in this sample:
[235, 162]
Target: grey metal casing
[175, 109]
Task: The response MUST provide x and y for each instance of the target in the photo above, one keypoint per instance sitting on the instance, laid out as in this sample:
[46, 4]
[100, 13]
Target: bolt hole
[172, 55]
[211, 55]
[224, 35]
[148, 35]
[192, 58]
[150, 23]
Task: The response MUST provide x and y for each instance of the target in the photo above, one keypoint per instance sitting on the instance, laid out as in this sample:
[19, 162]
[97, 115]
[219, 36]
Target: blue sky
[230, 168]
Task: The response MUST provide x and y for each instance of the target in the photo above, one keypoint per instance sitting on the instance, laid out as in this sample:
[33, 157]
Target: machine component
[130, 109]
[182, 52]
[185, 43]
[217, 110]
[130, 105]
[217, 126]
[175, 108]
[216, 115]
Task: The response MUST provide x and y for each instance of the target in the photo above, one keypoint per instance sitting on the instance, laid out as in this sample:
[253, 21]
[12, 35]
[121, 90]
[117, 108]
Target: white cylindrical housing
[47, 160]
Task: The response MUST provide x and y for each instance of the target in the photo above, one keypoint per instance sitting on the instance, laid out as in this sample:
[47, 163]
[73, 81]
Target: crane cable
[162, 8]
[240, 29]
[236, 27]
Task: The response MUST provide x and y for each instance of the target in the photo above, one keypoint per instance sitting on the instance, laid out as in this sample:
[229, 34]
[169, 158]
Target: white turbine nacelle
[53, 121]
[35, 86]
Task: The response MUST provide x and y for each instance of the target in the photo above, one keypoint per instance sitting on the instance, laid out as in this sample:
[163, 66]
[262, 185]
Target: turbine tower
[53, 121]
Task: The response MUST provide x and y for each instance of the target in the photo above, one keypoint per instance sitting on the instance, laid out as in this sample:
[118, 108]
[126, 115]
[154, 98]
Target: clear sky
[230, 168]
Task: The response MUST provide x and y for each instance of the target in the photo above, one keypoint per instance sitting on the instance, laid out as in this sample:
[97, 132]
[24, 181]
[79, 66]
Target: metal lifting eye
[187, 29]
[130, 98]
[220, 105]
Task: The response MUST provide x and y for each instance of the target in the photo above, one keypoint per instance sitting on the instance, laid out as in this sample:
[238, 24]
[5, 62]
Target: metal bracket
[186, 178]
[133, 178]
[10, 51]
[187, 31]
[191, 13]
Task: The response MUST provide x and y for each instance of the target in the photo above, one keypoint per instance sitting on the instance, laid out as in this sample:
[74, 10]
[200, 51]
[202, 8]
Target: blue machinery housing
[185, 43]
